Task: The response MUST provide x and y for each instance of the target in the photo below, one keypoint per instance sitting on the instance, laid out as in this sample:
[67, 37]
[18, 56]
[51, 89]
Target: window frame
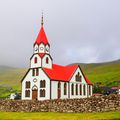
[27, 84]
[65, 88]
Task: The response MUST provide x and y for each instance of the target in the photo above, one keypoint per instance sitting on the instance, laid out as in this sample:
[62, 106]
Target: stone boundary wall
[93, 104]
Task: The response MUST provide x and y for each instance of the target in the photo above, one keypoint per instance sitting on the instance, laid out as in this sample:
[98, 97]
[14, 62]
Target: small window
[33, 72]
[84, 90]
[35, 60]
[59, 85]
[27, 93]
[76, 89]
[47, 60]
[42, 84]
[80, 89]
[65, 88]
[27, 84]
[89, 90]
[72, 89]
[78, 77]
[37, 71]
[42, 93]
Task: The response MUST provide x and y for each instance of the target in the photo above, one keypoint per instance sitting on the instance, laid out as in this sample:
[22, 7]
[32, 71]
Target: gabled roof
[62, 73]
[41, 38]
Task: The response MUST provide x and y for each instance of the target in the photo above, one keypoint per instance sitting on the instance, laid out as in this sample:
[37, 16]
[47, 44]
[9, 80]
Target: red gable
[41, 38]
[62, 73]
[41, 54]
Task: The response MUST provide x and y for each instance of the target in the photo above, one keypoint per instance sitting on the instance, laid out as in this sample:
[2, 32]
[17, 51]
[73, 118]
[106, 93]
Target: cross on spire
[42, 20]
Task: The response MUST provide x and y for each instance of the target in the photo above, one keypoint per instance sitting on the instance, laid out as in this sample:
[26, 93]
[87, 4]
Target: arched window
[89, 90]
[33, 72]
[80, 89]
[78, 77]
[27, 93]
[35, 60]
[84, 90]
[59, 85]
[47, 60]
[72, 89]
[76, 89]
[27, 84]
[37, 71]
[42, 84]
[42, 93]
[65, 88]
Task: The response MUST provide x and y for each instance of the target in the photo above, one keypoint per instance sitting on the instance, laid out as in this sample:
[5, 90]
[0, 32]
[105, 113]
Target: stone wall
[93, 104]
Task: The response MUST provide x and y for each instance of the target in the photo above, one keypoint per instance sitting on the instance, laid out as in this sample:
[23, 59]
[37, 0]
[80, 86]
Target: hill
[10, 80]
[106, 73]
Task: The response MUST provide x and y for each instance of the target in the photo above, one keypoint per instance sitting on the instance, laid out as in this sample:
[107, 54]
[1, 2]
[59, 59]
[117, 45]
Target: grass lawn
[59, 116]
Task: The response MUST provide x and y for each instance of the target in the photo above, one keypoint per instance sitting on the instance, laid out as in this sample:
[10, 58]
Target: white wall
[54, 88]
[30, 78]
[62, 90]
[83, 82]
[34, 65]
[49, 65]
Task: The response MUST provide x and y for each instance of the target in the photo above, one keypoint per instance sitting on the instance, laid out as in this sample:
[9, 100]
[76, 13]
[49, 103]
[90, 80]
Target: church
[45, 80]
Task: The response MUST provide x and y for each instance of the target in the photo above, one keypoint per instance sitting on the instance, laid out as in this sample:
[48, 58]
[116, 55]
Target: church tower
[41, 51]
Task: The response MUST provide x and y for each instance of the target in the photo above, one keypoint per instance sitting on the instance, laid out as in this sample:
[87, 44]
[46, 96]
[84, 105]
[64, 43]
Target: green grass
[107, 73]
[59, 116]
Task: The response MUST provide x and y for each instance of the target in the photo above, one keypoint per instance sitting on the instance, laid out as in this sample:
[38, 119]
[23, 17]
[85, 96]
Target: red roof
[41, 38]
[62, 73]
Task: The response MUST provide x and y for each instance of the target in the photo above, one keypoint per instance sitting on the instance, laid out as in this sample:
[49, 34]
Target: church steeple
[41, 50]
[41, 45]
[41, 38]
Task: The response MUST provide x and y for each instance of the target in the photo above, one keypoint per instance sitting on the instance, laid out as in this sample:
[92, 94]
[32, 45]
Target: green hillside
[106, 73]
[10, 80]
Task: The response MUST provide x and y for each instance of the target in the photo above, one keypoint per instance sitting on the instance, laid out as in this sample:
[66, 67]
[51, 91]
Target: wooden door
[59, 90]
[34, 94]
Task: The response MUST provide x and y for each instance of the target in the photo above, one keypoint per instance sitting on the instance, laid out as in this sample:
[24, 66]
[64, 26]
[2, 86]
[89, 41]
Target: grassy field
[59, 116]
[106, 73]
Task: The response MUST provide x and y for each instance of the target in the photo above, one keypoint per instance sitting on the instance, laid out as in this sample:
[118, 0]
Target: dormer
[42, 48]
[36, 48]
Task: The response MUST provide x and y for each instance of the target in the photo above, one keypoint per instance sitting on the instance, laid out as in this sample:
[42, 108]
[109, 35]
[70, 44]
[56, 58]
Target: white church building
[45, 80]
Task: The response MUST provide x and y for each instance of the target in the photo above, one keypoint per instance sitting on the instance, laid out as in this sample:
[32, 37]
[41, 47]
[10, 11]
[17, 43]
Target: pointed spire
[42, 20]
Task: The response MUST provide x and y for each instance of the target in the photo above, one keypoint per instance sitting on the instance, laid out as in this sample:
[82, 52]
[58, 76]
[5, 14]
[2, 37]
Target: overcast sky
[83, 31]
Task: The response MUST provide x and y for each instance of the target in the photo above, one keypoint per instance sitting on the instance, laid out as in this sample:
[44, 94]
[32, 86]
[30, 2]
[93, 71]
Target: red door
[59, 90]
[34, 94]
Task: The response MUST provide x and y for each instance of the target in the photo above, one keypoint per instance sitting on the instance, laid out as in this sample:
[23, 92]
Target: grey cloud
[78, 30]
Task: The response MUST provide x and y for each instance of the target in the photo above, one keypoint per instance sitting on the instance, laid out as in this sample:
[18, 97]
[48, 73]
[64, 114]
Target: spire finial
[42, 19]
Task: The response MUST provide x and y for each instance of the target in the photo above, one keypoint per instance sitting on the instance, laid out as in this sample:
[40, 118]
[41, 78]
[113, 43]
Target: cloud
[78, 30]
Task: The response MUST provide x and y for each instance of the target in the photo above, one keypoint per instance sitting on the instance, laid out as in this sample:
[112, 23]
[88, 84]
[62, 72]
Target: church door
[34, 93]
[59, 90]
